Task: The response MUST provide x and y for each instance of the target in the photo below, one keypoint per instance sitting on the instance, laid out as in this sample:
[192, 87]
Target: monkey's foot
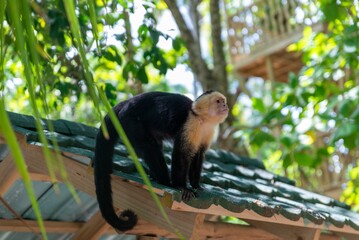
[198, 188]
[188, 194]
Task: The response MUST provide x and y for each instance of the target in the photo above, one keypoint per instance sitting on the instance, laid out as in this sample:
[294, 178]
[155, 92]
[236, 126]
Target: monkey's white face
[212, 108]
[221, 107]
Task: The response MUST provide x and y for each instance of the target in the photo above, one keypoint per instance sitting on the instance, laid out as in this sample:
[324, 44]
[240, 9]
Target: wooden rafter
[275, 221]
[8, 174]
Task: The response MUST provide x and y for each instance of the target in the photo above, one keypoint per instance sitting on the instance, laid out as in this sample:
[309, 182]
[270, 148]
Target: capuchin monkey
[148, 119]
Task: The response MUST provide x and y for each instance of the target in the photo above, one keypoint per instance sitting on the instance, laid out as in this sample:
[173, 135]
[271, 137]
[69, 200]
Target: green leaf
[258, 104]
[274, 114]
[260, 137]
[177, 44]
[304, 159]
[332, 11]
[287, 161]
[350, 46]
[111, 53]
[293, 80]
[155, 35]
[355, 115]
[142, 32]
[287, 141]
[142, 75]
[345, 107]
[345, 130]
[351, 141]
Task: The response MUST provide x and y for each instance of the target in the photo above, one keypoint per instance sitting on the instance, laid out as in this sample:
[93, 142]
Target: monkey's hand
[197, 188]
[188, 194]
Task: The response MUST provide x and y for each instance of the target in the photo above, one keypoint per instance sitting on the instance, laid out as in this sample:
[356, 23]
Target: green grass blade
[8, 133]
[29, 75]
[2, 50]
[31, 41]
[75, 29]
[134, 158]
[93, 19]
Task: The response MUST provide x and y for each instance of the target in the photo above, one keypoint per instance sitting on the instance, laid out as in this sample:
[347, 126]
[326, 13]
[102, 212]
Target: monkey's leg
[147, 147]
[195, 169]
[181, 157]
[153, 156]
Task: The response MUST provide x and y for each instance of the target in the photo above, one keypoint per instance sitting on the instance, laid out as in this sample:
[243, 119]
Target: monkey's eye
[218, 101]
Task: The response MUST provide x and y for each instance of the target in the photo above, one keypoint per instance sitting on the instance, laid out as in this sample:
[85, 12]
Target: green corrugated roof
[236, 183]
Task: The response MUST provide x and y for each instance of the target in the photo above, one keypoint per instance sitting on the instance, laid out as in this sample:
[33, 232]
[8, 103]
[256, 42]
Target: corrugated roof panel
[61, 206]
[18, 199]
[33, 236]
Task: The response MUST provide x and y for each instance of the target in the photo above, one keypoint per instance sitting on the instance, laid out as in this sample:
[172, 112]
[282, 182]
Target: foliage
[119, 55]
[308, 128]
[48, 64]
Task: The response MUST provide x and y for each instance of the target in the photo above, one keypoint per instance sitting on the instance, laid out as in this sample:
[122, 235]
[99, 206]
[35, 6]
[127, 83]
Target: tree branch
[197, 63]
[219, 60]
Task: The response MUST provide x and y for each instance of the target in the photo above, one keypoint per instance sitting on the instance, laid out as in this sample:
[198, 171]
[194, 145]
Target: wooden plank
[272, 47]
[220, 230]
[250, 215]
[15, 225]
[269, 67]
[125, 194]
[212, 230]
[93, 229]
[40, 177]
[198, 224]
[8, 174]
[288, 232]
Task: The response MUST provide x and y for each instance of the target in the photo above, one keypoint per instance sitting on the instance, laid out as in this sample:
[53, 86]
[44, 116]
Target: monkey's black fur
[147, 119]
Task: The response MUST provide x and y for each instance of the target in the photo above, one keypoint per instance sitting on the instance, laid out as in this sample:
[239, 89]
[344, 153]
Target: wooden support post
[269, 66]
[197, 226]
[93, 229]
[288, 232]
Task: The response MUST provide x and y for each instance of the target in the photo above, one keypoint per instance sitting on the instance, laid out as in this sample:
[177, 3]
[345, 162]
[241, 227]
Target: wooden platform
[275, 67]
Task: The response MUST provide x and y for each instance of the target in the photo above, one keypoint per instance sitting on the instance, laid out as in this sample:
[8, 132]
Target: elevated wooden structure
[272, 205]
[260, 32]
[192, 223]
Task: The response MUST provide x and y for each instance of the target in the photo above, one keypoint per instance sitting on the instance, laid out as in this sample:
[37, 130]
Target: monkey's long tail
[104, 151]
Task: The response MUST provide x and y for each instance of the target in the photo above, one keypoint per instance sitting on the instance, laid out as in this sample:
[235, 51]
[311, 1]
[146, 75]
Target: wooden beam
[250, 215]
[93, 229]
[221, 230]
[198, 224]
[8, 174]
[288, 232]
[272, 47]
[269, 67]
[97, 226]
[40, 177]
[212, 230]
[15, 225]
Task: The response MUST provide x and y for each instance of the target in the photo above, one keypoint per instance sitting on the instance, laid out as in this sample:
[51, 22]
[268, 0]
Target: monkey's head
[211, 106]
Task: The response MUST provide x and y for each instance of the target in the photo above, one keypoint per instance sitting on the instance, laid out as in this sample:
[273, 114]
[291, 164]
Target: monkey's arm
[195, 168]
[181, 158]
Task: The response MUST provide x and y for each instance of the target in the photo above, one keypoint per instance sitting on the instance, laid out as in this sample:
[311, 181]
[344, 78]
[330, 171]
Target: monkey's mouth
[224, 111]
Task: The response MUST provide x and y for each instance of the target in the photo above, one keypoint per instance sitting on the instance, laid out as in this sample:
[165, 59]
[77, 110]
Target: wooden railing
[254, 25]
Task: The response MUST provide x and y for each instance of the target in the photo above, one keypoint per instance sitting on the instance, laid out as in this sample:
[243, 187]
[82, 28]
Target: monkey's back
[163, 114]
